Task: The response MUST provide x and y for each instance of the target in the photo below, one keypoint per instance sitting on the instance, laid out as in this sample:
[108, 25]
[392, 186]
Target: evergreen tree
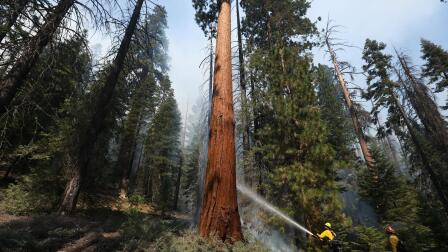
[97, 118]
[149, 64]
[396, 202]
[297, 160]
[163, 152]
[382, 92]
[436, 66]
[335, 115]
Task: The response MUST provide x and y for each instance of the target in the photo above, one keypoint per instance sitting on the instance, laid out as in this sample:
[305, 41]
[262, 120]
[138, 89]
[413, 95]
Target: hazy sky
[400, 23]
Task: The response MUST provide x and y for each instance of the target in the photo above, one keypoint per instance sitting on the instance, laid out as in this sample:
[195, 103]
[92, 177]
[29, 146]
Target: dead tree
[348, 101]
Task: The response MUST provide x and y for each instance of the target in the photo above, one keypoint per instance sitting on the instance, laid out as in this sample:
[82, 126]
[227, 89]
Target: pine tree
[149, 53]
[163, 152]
[12, 83]
[426, 109]
[396, 202]
[43, 103]
[436, 67]
[335, 115]
[382, 91]
[297, 160]
[13, 13]
[97, 118]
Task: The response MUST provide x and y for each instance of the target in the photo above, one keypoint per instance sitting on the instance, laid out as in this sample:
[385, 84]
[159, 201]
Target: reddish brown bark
[219, 213]
[348, 100]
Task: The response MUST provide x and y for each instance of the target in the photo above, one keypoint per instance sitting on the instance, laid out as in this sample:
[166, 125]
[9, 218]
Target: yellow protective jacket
[393, 240]
[327, 234]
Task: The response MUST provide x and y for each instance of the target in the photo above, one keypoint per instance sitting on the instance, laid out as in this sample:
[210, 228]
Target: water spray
[264, 204]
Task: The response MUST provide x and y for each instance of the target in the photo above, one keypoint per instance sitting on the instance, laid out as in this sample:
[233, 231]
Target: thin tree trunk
[96, 123]
[23, 65]
[128, 146]
[219, 214]
[348, 100]
[243, 87]
[178, 180]
[17, 9]
[179, 171]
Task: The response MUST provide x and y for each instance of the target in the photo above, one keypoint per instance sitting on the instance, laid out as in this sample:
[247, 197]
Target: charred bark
[23, 65]
[17, 9]
[348, 101]
[219, 214]
[96, 123]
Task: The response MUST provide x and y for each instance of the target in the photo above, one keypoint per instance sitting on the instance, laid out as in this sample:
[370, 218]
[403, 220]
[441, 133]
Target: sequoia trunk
[219, 213]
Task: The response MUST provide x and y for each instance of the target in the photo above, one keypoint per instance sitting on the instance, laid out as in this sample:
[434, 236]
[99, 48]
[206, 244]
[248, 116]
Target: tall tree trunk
[126, 158]
[435, 179]
[96, 122]
[219, 214]
[16, 10]
[179, 171]
[178, 180]
[349, 103]
[15, 78]
[243, 87]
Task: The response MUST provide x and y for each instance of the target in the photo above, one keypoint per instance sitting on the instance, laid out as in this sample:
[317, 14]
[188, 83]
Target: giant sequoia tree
[219, 214]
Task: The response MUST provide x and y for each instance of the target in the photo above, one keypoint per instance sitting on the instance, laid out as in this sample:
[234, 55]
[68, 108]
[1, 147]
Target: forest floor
[89, 230]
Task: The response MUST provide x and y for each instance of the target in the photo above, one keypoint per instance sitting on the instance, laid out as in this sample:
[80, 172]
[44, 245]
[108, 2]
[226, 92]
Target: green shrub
[136, 200]
[31, 194]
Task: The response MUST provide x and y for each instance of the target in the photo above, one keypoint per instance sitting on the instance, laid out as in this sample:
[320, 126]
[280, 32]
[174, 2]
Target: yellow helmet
[328, 225]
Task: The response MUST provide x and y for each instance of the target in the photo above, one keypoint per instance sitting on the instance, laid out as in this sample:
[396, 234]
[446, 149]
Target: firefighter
[394, 241]
[328, 236]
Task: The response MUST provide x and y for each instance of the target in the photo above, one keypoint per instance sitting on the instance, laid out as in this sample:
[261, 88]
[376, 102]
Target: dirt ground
[97, 230]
